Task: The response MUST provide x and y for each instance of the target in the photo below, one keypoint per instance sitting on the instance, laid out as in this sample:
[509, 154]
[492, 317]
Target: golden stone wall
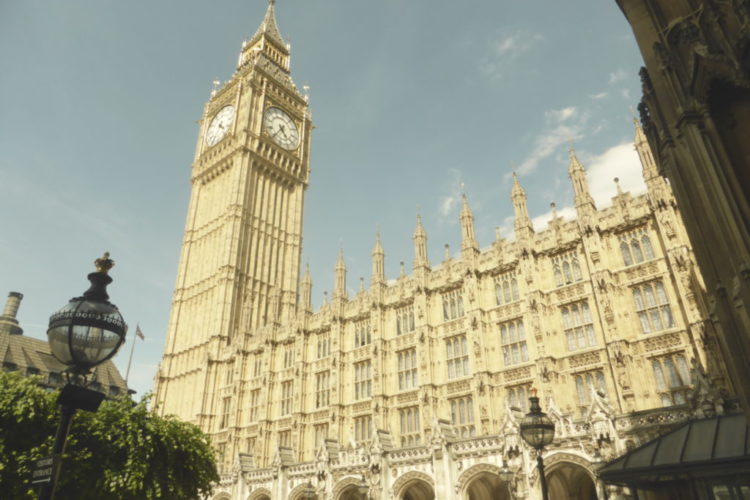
[604, 315]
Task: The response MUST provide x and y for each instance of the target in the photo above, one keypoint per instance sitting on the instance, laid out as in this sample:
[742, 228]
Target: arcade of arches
[567, 479]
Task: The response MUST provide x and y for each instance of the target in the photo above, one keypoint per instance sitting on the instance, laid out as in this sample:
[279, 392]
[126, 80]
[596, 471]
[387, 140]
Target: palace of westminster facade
[413, 388]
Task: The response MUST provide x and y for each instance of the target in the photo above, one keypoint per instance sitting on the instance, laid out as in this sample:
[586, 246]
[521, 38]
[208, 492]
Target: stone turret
[583, 200]
[339, 290]
[469, 244]
[523, 226]
[306, 291]
[420, 246]
[8, 321]
[378, 263]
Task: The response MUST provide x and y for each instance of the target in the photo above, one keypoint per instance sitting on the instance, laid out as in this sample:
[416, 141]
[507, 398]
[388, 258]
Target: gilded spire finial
[632, 113]
[104, 263]
[571, 149]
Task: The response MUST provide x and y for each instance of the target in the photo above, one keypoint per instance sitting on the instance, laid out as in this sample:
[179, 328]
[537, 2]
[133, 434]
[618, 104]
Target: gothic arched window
[625, 249]
[566, 268]
[636, 247]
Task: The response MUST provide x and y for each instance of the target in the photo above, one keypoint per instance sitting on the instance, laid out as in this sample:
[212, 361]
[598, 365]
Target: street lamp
[363, 489]
[84, 333]
[538, 431]
[506, 476]
[309, 491]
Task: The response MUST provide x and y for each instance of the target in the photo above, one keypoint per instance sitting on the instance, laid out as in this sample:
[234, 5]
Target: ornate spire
[577, 174]
[339, 290]
[650, 171]
[468, 240]
[378, 262]
[270, 30]
[522, 224]
[420, 246]
[306, 290]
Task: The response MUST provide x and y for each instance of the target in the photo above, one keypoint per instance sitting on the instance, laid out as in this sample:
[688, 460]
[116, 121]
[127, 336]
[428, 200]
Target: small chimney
[8, 321]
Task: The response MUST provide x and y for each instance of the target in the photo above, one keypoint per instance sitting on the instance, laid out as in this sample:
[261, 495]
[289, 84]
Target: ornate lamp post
[363, 488]
[538, 431]
[309, 491]
[506, 476]
[83, 334]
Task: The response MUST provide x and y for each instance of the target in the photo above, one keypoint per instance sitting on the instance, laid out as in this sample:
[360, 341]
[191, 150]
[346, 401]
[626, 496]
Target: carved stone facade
[413, 388]
[696, 114]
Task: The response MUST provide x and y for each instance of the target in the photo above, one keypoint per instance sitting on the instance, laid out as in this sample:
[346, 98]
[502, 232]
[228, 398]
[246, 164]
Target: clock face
[220, 125]
[281, 128]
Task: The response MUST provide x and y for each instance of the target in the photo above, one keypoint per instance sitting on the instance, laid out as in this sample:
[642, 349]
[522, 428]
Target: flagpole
[130, 359]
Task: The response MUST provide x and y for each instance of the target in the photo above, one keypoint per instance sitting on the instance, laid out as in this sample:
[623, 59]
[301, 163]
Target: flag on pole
[139, 333]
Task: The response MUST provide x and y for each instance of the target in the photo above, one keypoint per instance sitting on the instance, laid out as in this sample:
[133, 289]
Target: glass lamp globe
[309, 491]
[536, 427]
[88, 330]
[363, 488]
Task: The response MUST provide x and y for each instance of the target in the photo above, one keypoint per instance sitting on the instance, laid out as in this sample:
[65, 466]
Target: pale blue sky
[99, 99]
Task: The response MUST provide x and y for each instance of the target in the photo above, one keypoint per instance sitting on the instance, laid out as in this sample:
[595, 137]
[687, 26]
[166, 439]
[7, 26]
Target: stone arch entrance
[414, 486]
[300, 493]
[482, 482]
[568, 480]
[260, 494]
[347, 489]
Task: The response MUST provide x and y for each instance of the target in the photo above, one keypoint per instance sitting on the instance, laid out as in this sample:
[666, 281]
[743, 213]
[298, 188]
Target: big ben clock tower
[239, 266]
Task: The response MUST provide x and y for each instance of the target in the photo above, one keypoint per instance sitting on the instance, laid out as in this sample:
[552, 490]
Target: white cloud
[547, 143]
[447, 204]
[505, 49]
[599, 96]
[560, 115]
[619, 161]
[617, 76]
[507, 227]
[540, 222]
[450, 201]
[625, 93]
[507, 45]
[516, 44]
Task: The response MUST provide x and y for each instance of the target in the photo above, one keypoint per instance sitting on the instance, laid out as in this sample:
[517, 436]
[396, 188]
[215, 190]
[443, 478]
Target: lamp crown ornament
[537, 429]
[104, 263]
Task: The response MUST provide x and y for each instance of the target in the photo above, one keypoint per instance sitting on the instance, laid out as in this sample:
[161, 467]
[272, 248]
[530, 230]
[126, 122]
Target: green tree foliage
[121, 452]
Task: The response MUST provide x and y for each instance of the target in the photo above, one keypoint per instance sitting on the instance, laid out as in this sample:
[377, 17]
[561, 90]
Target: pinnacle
[378, 248]
[307, 278]
[465, 210]
[269, 28]
[420, 228]
[640, 137]
[575, 164]
[517, 189]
